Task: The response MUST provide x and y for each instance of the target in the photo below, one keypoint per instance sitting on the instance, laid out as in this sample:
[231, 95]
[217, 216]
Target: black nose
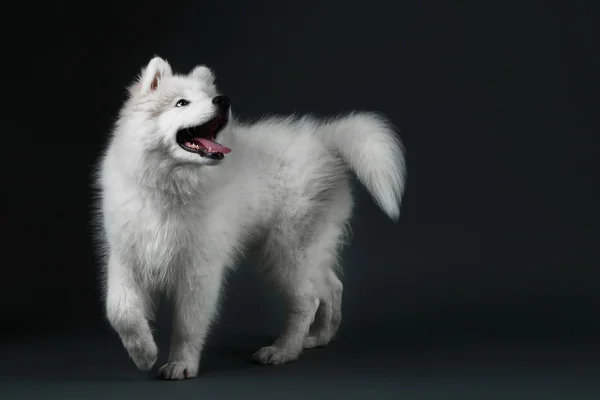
[222, 102]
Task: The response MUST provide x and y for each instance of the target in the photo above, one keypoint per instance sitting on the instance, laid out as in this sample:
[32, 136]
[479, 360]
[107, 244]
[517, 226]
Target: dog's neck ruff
[179, 182]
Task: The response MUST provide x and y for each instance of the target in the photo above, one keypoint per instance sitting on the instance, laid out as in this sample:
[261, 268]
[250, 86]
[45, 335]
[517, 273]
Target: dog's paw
[177, 370]
[274, 355]
[143, 352]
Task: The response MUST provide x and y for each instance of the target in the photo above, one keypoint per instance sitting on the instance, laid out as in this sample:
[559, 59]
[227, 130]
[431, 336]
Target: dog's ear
[152, 75]
[203, 73]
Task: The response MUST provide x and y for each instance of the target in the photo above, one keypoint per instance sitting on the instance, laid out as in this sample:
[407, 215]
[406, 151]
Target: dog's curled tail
[369, 145]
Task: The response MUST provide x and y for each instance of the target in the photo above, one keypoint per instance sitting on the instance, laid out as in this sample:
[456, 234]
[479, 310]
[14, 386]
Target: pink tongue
[213, 147]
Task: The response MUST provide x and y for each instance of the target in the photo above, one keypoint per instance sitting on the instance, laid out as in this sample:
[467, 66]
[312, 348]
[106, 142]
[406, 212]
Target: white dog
[185, 190]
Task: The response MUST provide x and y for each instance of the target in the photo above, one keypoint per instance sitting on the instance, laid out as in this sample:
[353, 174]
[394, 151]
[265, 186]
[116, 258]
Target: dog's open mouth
[200, 139]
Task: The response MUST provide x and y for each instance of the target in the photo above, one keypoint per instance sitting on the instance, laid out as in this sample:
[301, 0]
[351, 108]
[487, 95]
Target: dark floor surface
[89, 366]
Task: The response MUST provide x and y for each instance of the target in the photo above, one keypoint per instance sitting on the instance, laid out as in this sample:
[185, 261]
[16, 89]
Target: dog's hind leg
[329, 314]
[304, 277]
[301, 303]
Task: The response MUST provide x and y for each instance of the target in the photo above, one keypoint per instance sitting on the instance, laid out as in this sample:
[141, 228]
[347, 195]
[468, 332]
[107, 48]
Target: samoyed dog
[185, 190]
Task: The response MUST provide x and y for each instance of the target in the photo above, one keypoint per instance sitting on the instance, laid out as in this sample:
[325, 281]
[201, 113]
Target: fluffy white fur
[174, 221]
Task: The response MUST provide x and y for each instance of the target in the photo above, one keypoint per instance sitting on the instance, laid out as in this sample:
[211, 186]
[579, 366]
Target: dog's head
[178, 116]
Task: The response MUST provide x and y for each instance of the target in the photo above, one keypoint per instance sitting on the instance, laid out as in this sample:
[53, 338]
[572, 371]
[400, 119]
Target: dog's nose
[222, 102]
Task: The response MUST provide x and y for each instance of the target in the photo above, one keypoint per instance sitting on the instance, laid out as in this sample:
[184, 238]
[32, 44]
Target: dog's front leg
[195, 305]
[128, 308]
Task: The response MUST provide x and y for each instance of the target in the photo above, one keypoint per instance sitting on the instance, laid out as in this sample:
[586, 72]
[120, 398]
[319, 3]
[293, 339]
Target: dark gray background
[487, 286]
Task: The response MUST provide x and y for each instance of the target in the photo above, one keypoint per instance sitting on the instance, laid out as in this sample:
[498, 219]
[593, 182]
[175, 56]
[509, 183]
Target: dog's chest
[160, 238]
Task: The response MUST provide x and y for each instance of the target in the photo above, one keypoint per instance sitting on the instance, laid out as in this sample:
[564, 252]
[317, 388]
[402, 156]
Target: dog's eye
[182, 103]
